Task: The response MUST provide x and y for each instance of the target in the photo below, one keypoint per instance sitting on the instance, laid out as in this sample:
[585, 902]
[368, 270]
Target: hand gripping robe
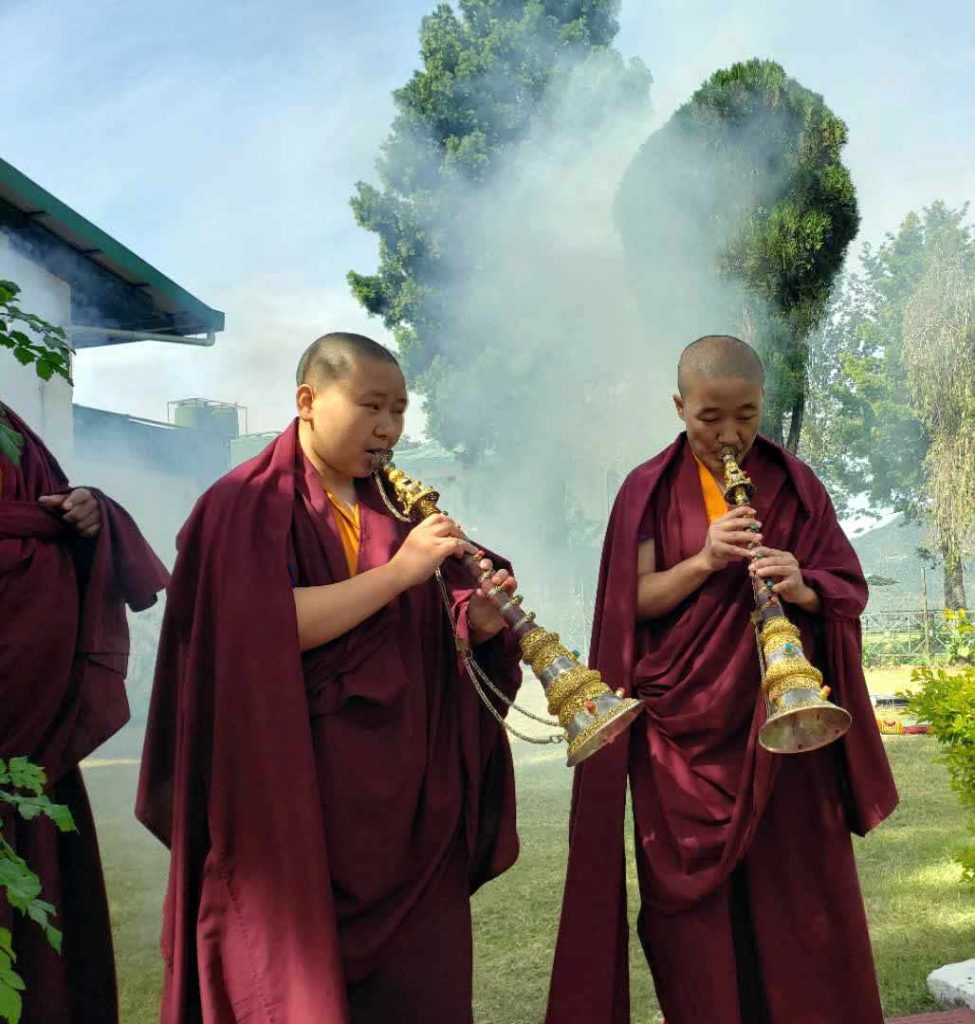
[751, 908]
[63, 658]
[330, 813]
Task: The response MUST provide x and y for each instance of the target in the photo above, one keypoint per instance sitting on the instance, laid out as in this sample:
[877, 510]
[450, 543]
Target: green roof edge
[211, 319]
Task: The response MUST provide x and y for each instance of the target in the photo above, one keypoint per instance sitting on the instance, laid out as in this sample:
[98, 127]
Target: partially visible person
[70, 561]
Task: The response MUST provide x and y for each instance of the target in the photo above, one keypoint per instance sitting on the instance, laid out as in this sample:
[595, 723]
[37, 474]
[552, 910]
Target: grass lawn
[136, 866]
[892, 679]
[921, 917]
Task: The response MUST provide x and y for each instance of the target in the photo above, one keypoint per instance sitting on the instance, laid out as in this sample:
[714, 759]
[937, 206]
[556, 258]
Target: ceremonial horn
[589, 712]
[800, 717]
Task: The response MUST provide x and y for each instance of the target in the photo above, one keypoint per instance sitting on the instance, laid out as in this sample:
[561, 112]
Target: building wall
[156, 471]
[158, 501]
[45, 405]
[428, 463]
[246, 446]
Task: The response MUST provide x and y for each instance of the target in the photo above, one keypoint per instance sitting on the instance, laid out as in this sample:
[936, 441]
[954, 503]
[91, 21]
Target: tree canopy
[736, 217]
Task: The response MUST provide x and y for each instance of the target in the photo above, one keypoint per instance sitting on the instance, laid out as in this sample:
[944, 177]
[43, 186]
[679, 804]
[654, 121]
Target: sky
[221, 142]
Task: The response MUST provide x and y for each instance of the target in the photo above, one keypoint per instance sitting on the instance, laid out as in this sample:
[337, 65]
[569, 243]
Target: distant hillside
[891, 551]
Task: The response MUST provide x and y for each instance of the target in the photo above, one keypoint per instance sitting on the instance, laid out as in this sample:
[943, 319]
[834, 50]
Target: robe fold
[322, 809]
[750, 905]
[63, 659]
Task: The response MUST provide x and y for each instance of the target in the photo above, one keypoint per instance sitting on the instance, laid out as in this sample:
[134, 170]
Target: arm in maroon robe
[228, 776]
[64, 652]
[492, 838]
[590, 972]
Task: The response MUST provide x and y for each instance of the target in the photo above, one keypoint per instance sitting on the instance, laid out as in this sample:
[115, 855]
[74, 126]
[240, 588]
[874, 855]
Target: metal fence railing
[900, 637]
[889, 637]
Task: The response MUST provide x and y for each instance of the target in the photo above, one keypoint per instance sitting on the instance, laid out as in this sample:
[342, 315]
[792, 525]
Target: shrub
[947, 701]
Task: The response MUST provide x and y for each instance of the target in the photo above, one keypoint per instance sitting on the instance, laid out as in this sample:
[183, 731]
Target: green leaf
[49, 350]
[29, 808]
[21, 884]
[39, 911]
[24, 774]
[11, 1005]
[54, 937]
[10, 444]
[61, 816]
[8, 975]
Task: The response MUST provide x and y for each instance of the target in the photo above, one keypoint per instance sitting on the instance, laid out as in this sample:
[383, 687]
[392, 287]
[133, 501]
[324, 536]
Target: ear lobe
[304, 398]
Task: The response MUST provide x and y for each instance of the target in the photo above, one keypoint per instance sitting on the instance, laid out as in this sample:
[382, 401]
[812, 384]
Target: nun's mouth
[381, 457]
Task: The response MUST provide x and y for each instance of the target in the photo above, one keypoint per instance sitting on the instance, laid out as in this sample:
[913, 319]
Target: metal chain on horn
[475, 673]
[480, 678]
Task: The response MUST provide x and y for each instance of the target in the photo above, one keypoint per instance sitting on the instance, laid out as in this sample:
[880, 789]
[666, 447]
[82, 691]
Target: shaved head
[332, 356]
[718, 356]
[351, 401]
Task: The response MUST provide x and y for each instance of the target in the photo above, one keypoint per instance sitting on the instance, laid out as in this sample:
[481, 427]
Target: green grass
[921, 916]
[890, 679]
[516, 916]
[135, 872]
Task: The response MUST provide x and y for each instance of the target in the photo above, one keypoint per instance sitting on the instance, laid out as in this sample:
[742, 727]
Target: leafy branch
[32, 341]
[22, 787]
[947, 701]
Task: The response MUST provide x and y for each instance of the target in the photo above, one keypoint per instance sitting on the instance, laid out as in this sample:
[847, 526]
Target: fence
[905, 637]
[889, 638]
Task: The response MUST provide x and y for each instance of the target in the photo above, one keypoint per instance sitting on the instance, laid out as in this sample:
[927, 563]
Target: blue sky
[221, 142]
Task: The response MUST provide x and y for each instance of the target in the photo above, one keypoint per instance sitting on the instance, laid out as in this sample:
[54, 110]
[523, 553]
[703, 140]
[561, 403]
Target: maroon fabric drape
[311, 803]
[699, 780]
[63, 658]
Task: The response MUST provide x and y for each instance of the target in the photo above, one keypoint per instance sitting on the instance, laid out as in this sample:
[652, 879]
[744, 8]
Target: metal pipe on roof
[111, 332]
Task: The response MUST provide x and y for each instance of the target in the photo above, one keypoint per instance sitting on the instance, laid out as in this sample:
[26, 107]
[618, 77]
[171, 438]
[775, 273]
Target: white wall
[45, 405]
[158, 501]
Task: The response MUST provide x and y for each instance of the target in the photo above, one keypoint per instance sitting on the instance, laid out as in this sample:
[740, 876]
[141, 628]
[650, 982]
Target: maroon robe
[751, 910]
[328, 813]
[63, 658]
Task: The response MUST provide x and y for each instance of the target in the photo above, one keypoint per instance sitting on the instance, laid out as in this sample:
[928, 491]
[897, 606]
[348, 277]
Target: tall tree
[939, 356]
[491, 71]
[833, 418]
[737, 215]
[867, 437]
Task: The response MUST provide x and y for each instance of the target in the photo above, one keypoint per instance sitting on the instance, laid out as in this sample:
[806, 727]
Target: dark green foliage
[736, 217]
[865, 436]
[493, 70]
[22, 787]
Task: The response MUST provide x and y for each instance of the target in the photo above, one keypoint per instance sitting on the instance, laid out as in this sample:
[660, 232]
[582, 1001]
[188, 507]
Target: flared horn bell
[800, 718]
[590, 713]
[587, 735]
